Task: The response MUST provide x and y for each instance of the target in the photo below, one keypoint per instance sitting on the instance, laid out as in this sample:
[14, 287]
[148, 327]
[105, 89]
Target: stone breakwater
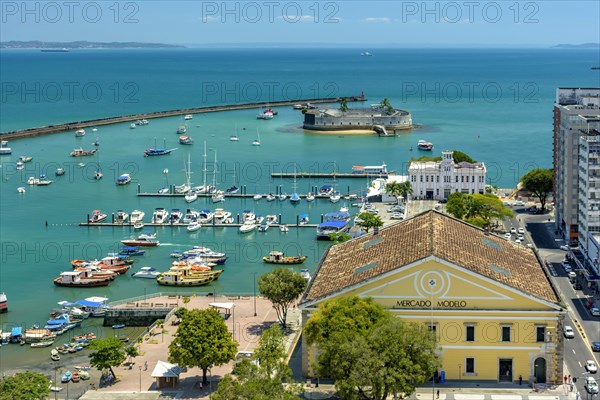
[69, 126]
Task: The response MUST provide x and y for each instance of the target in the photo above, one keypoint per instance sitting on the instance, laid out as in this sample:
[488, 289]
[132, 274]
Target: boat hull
[139, 243]
[95, 283]
[290, 260]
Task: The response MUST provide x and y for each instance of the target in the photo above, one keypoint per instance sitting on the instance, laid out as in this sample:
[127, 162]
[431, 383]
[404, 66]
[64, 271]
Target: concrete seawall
[69, 126]
[135, 316]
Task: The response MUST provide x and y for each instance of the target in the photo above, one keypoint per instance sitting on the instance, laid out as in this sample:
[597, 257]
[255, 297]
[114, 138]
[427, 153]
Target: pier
[182, 225]
[69, 126]
[245, 195]
[325, 175]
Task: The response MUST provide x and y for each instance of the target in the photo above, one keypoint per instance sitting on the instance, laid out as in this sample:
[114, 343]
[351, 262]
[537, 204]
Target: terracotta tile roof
[430, 234]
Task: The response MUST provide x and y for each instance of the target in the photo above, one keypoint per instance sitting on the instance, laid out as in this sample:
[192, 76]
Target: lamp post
[254, 273]
[140, 367]
[459, 366]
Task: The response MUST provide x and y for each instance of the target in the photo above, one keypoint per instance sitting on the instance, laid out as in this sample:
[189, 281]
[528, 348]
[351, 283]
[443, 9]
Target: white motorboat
[306, 275]
[205, 216]
[20, 165]
[310, 196]
[176, 216]
[191, 196]
[20, 190]
[218, 197]
[188, 117]
[282, 197]
[137, 216]
[271, 219]
[32, 180]
[4, 149]
[234, 138]
[283, 228]
[257, 196]
[80, 132]
[248, 215]
[146, 272]
[160, 216]
[190, 216]
[270, 197]
[138, 225]
[121, 217]
[247, 226]
[256, 142]
[266, 114]
[132, 125]
[222, 217]
[124, 179]
[335, 197]
[303, 219]
[194, 226]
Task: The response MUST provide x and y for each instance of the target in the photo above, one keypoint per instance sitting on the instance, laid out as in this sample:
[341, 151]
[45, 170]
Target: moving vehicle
[568, 332]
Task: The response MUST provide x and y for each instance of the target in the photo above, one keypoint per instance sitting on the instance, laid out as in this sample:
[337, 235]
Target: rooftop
[430, 234]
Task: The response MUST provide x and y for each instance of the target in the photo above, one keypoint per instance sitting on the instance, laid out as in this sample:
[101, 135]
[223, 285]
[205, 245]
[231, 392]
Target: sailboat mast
[204, 169]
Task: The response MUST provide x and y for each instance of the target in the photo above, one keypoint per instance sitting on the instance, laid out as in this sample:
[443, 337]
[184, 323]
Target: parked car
[591, 367]
[521, 231]
[520, 237]
[513, 230]
[396, 215]
[518, 203]
[506, 203]
[591, 385]
[564, 247]
[508, 235]
[568, 332]
[595, 346]
[595, 311]
[566, 266]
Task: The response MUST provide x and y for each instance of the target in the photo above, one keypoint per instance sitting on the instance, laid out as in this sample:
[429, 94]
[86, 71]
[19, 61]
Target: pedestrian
[565, 379]
[146, 366]
[520, 380]
[438, 394]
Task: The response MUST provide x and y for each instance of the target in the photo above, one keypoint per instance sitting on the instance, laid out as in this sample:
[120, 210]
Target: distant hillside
[82, 44]
[577, 46]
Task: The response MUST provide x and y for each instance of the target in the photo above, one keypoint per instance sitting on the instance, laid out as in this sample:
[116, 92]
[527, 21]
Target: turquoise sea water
[496, 105]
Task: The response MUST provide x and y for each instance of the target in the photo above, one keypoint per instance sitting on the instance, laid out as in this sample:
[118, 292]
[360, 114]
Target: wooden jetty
[325, 175]
[70, 126]
[209, 225]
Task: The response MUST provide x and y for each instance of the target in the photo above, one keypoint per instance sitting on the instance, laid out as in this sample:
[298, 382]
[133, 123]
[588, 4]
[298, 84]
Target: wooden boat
[84, 375]
[191, 272]
[46, 343]
[82, 153]
[54, 356]
[75, 377]
[177, 278]
[277, 257]
[66, 377]
[79, 279]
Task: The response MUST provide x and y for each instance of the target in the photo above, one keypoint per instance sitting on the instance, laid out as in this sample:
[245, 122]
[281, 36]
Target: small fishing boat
[146, 272]
[121, 217]
[131, 251]
[424, 145]
[80, 132]
[118, 326]
[124, 179]
[25, 159]
[305, 274]
[181, 129]
[194, 226]
[234, 138]
[132, 125]
[277, 257]
[21, 190]
[84, 375]
[265, 114]
[20, 166]
[188, 117]
[247, 226]
[185, 140]
[138, 225]
[303, 219]
[157, 152]
[270, 197]
[59, 171]
[55, 389]
[263, 227]
[80, 152]
[66, 377]
[46, 343]
[283, 228]
[54, 356]
[257, 196]
[75, 377]
[97, 216]
[310, 196]
[137, 216]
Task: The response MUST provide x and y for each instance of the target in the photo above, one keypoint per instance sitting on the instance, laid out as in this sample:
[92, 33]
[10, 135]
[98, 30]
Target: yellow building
[492, 306]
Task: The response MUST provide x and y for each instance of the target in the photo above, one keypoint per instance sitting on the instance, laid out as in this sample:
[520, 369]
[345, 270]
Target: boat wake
[172, 244]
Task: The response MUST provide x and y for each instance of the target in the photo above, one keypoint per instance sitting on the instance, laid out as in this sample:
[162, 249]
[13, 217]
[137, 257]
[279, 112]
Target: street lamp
[140, 367]
[254, 273]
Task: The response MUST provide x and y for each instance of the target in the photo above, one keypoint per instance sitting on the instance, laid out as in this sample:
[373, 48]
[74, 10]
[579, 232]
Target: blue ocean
[495, 105]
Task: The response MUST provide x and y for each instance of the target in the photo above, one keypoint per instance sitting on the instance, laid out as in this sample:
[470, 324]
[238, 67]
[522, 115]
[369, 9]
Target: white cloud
[379, 20]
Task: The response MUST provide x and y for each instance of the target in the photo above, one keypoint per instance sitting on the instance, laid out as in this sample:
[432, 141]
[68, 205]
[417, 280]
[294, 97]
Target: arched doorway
[539, 370]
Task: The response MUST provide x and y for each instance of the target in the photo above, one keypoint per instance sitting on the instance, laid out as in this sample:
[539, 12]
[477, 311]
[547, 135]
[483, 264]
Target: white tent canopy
[164, 369]
[227, 306]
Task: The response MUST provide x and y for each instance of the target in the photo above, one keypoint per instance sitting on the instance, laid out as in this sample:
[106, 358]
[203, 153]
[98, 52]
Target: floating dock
[325, 175]
[70, 126]
[209, 225]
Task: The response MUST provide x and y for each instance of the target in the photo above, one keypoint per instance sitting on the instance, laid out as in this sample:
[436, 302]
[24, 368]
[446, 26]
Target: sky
[467, 23]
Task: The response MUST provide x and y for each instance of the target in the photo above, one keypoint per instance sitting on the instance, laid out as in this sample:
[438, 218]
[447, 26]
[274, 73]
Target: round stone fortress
[357, 119]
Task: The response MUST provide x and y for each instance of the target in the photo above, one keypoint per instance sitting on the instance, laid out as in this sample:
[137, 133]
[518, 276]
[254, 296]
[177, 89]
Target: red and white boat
[266, 114]
[82, 153]
[80, 132]
[3, 303]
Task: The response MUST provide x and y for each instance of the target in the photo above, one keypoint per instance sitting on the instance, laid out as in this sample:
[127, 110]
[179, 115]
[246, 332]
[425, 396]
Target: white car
[508, 235]
[564, 247]
[513, 230]
[506, 203]
[591, 367]
[568, 332]
[591, 385]
[595, 311]
[521, 237]
[521, 231]
[518, 203]
[518, 241]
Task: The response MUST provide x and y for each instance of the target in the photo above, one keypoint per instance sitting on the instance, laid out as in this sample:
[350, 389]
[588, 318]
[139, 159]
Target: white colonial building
[436, 180]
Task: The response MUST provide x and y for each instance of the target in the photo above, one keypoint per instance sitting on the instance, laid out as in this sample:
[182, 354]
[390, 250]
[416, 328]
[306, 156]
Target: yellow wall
[451, 298]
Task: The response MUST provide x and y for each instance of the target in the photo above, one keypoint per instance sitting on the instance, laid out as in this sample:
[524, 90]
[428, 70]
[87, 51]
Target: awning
[227, 306]
[164, 369]
[17, 331]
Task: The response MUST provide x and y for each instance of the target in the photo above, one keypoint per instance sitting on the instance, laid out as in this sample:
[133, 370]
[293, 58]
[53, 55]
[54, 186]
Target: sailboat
[184, 188]
[256, 141]
[233, 189]
[235, 138]
[294, 198]
[191, 195]
[98, 173]
[165, 189]
[156, 151]
[218, 196]
[204, 188]
[335, 195]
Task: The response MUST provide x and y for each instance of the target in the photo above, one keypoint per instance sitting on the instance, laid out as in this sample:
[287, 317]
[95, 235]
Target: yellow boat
[186, 276]
[277, 257]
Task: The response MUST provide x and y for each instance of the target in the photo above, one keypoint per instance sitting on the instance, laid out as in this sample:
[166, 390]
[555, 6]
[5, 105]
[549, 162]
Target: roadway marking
[469, 396]
[506, 397]
[530, 397]
[573, 350]
[578, 362]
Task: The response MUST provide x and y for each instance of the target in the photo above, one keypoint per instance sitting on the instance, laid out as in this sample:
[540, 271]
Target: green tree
[339, 237]
[343, 104]
[369, 221]
[26, 385]
[180, 312]
[108, 354]
[263, 377]
[202, 340]
[385, 103]
[406, 190]
[369, 353]
[539, 182]
[456, 205]
[477, 209]
[394, 189]
[282, 286]
[458, 156]
[131, 352]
